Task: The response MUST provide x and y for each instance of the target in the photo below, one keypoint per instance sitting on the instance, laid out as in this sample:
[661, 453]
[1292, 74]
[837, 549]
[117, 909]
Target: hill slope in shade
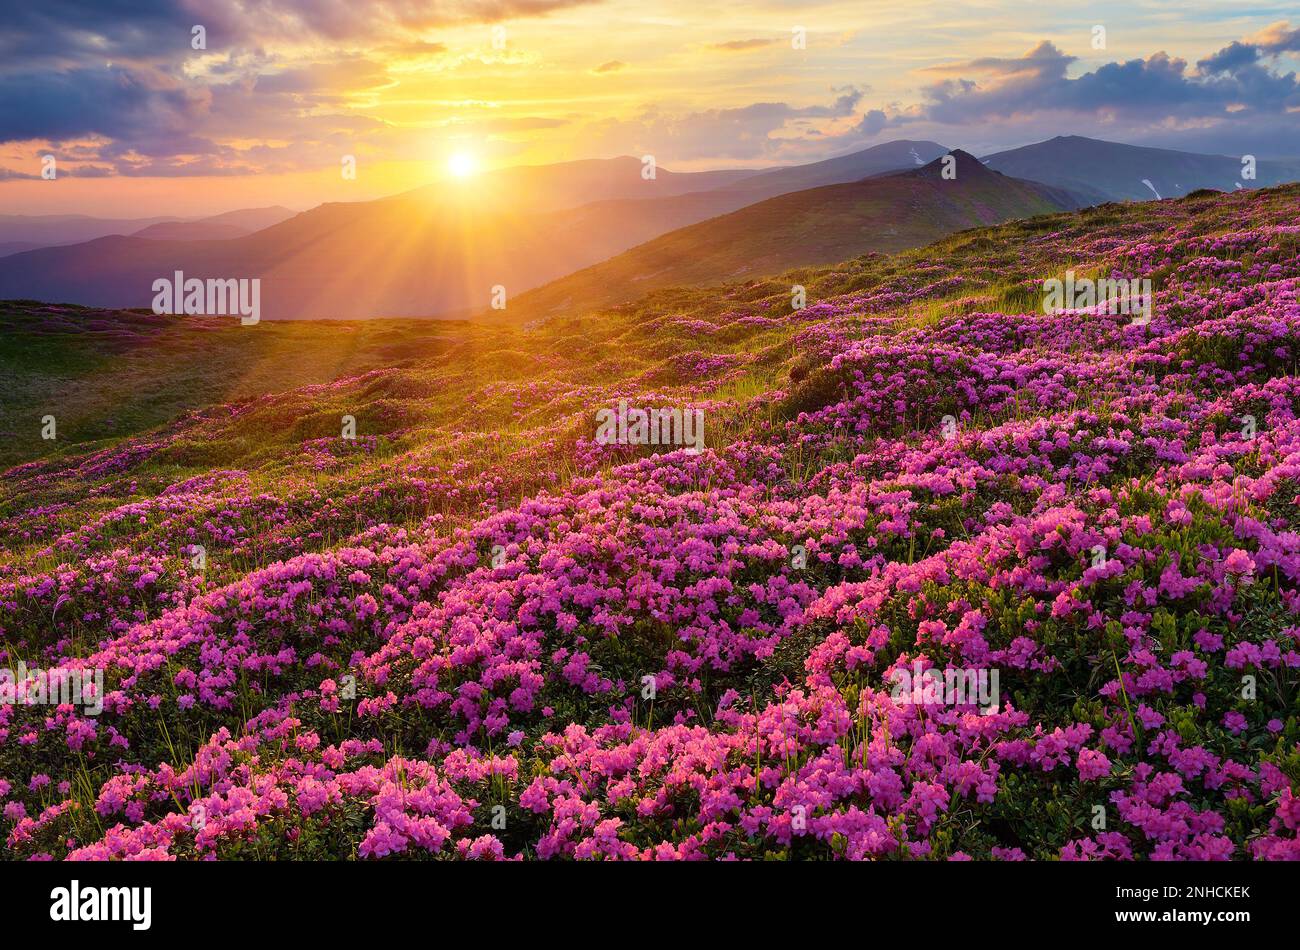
[190, 231]
[882, 214]
[251, 219]
[879, 159]
[218, 227]
[45, 230]
[1110, 171]
[15, 247]
[28, 232]
[917, 468]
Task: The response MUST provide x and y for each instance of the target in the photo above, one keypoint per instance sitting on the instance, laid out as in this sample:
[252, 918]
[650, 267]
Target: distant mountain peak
[1100, 170]
[965, 164]
[813, 227]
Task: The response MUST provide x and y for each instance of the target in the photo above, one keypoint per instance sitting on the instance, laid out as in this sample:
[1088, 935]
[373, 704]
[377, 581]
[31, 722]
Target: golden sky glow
[268, 111]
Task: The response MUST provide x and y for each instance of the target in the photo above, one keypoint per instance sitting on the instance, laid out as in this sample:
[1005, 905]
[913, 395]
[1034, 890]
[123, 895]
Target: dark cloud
[1043, 60]
[1232, 83]
[845, 103]
[118, 102]
[62, 33]
[344, 21]
[1277, 38]
[125, 71]
[116, 87]
[873, 121]
[1271, 41]
[1234, 101]
[59, 34]
[1231, 58]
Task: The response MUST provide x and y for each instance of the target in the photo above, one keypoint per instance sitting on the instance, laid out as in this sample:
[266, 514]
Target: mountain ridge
[1113, 171]
[453, 248]
[886, 213]
[439, 250]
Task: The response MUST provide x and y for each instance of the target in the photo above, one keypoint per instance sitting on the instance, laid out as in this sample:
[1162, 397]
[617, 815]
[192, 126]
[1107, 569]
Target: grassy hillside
[393, 636]
[105, 374]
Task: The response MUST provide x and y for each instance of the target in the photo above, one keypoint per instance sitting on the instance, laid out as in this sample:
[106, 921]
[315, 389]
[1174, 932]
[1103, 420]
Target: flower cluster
[478, 645]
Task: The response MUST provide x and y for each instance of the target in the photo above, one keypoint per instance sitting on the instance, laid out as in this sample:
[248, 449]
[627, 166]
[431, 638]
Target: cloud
[1279, 37]
[741, 46]
[761, 129]
[1043, 59]
[845, 103]
[91, 171]
[1159, 87]
[1234, 100]
[318, 80]
[873, 121]
[112, 101]
[289, 85]
[1229, 59]
[57, 32]
[510, 124]
[1273, 40]
[413, 49]
[130, 83]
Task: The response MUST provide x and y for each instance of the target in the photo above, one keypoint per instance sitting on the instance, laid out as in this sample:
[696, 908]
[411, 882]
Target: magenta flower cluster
[671, 656]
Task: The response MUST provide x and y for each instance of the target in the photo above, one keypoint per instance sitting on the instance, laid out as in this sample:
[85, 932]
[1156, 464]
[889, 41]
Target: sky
[147, 115]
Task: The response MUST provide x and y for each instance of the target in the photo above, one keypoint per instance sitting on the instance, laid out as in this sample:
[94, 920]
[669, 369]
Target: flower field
[476, 632]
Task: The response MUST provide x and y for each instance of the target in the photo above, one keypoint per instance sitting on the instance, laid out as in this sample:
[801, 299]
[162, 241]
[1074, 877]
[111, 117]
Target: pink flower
[1092, 765]
[1234, 722]
[1239, 562]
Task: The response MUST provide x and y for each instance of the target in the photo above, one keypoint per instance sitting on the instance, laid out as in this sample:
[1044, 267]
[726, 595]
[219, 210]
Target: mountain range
[592, 232]
[817, 226]
[20, 232]
[433, 250]
[1108, 171]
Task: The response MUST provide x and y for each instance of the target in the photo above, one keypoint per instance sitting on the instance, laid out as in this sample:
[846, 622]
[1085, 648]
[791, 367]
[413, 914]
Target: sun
[462, 165]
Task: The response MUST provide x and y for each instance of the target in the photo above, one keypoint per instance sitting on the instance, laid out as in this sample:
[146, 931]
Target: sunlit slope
[108, 374]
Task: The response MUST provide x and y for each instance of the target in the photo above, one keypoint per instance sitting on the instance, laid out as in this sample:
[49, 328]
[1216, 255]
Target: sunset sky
[141, 123]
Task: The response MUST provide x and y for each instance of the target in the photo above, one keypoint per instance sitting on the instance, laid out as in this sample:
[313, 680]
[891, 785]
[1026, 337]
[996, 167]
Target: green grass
[107, 375]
